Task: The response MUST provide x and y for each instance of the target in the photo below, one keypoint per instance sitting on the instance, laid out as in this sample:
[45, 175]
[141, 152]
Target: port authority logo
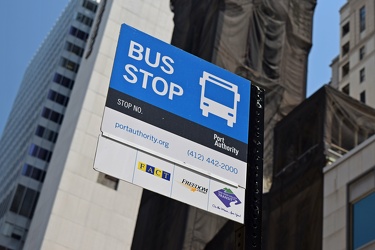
[226, 196]
[193, 187]
[219, 97]
[219, 141]
[154, 171]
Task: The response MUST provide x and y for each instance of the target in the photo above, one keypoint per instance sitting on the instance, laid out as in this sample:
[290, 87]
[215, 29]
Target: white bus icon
[219, 97]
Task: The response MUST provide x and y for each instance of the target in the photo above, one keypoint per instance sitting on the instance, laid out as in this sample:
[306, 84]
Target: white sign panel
[169, 179]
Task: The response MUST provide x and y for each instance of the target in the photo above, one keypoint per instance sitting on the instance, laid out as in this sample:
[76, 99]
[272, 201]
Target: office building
[32, 130]
[353, 69]
[50, 195]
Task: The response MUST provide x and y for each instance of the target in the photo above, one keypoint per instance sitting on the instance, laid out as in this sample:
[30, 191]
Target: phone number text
[212, 161]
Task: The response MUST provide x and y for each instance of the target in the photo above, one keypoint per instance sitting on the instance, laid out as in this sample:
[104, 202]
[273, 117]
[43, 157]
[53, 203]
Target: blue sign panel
[194, 91]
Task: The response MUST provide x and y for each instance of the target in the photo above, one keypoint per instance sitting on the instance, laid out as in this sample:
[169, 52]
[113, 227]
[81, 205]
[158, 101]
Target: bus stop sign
[174, 105]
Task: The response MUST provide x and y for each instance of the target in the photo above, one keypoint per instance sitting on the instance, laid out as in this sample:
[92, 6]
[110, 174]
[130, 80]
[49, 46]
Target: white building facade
[50, 196]
[349, 200]
[349, 183]
[356, 62]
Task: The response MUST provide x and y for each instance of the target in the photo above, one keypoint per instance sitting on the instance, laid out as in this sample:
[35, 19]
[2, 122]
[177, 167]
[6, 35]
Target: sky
[25, 24]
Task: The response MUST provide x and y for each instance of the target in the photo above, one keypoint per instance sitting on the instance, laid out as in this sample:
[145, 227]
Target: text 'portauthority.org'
[139, 133]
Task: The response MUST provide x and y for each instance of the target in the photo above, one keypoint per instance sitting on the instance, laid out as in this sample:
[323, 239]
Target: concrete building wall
[345, 181]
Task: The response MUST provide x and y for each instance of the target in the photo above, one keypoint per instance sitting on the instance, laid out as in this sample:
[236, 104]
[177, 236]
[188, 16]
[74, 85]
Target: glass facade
[363, 214]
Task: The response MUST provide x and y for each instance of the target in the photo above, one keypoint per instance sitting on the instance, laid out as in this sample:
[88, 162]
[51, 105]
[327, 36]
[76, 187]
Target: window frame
[345, 29]
[80, 34]
[63, 81]
[345, 49]
[362, 75]
[362, 52]
[76, 50]
[345, 69]
[362, 18]
[346, 89]
[357, 190]
[69, 65]
[90, 6]
[362, 96]
[82, 18]
[52, 115]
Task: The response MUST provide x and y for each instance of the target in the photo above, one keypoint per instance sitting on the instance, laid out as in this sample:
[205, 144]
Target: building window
[64, 81]
[345, 49]
[345, 89]
[27, 204]
[74, 49]
[345, 29]
[69, 65]
[78, 33]
[362, 53]
[52, 115]
[362, 98]
[58, 98]
[362, 19]
[24, 201]
[17, 233]
[33, 172]
[40, 131]
[108, 181]
[27, 169]
[40, 153]
[17, 199]
[362, 75]
[84, 19]
[361, 213]
[345, 69]
[363, 224]
[90, 5]
[46, 134]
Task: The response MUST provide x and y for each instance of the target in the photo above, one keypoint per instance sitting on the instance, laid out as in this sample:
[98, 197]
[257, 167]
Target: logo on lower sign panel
[154, 171]
[193, 187]
[226, 196]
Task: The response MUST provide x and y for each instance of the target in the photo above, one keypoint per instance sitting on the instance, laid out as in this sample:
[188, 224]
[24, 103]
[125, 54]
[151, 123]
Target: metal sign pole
[254, 184]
